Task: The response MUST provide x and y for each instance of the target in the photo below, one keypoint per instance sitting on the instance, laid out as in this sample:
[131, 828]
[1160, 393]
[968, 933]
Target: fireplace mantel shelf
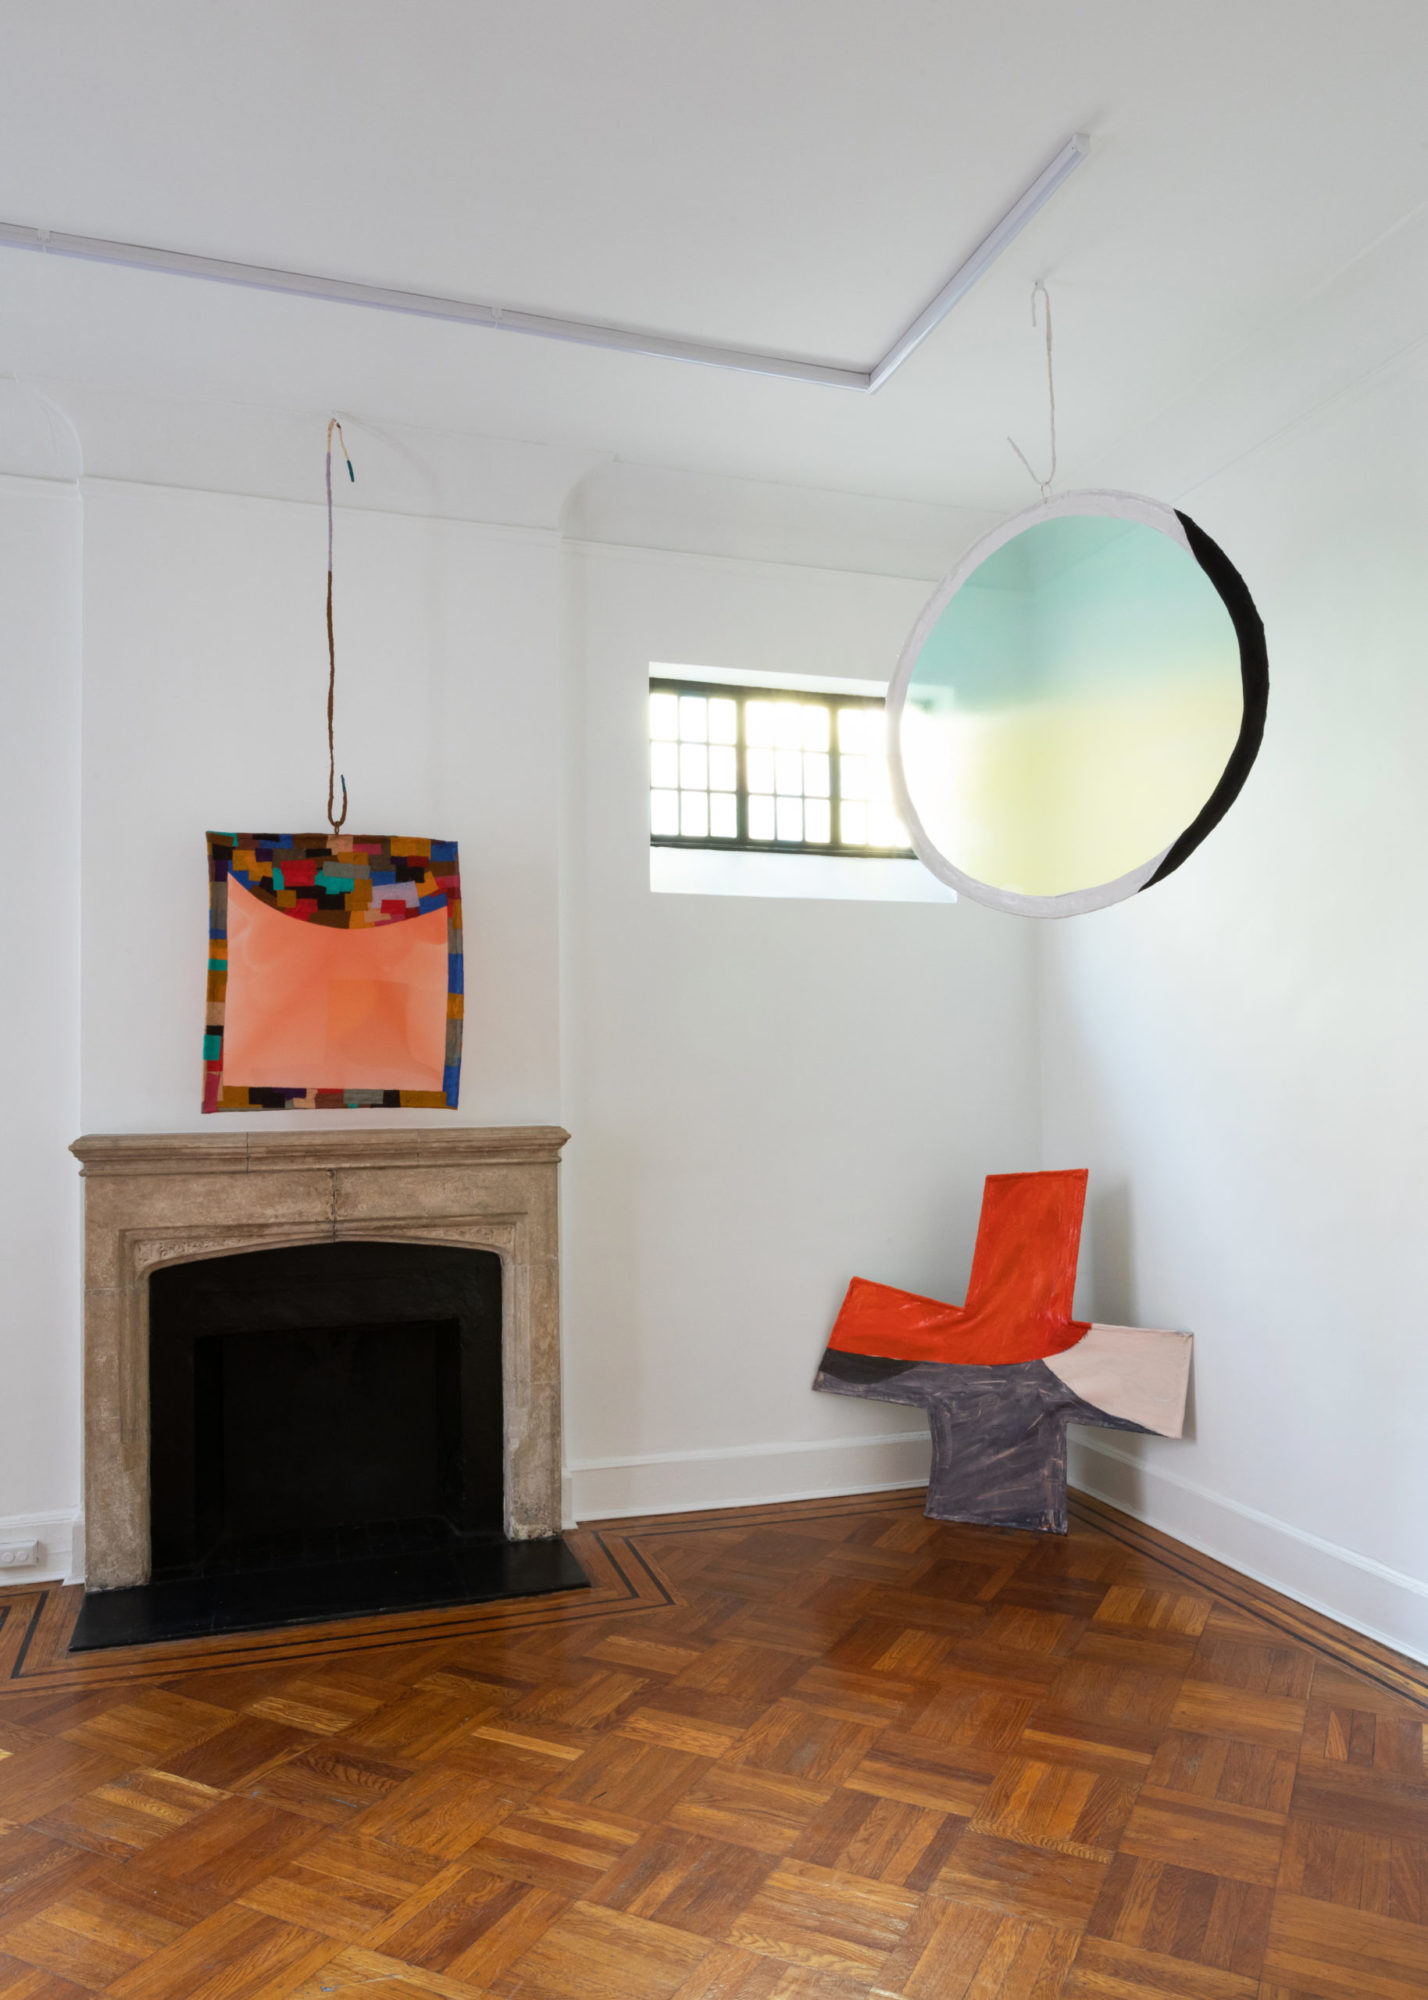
[279, 1152]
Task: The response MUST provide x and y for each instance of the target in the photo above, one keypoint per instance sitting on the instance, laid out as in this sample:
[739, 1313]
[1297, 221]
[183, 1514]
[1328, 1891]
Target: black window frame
[741, 843]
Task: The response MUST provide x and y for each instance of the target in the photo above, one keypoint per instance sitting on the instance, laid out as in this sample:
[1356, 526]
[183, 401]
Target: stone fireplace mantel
[158, 1199]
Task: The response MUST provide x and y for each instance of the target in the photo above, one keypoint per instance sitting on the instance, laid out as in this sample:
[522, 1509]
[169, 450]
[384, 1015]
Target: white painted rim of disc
[1076, 902]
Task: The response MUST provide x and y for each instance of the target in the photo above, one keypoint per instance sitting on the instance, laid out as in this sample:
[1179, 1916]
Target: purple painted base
[998, 1433]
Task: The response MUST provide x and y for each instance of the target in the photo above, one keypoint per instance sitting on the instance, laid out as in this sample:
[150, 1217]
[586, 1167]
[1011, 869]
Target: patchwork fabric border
[347, 882]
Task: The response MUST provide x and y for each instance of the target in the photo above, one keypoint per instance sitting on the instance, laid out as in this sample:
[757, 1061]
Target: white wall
[748, 1129]
[205, 706]
[766, 1096]
[40, 545]
[1239, 1055]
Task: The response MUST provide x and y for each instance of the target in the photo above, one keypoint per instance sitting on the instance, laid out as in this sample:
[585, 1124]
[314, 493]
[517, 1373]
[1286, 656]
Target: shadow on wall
[1111, 1232]
[1113, 1301]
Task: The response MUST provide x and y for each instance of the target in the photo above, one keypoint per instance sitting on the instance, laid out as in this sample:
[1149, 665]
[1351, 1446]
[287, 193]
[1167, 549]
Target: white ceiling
[799, 175]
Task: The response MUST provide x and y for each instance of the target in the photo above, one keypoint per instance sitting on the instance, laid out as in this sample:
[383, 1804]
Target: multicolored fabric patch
[335, 973]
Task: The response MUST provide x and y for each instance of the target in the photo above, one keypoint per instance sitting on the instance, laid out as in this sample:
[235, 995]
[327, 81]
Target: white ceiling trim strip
[584, 333]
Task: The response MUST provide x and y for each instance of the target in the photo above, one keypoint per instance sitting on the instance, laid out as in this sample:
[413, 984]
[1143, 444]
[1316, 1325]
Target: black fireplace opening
[326, 1441]
[317, 1401]
[351, 1431]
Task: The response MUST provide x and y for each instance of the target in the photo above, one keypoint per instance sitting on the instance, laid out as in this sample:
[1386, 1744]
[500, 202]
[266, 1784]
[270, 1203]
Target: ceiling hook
[1044, 484]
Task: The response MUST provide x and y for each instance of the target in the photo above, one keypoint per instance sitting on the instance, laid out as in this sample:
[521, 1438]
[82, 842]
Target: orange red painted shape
[1019, 1296]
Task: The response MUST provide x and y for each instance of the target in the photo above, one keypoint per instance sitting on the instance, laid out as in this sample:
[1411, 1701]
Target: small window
[770, 769]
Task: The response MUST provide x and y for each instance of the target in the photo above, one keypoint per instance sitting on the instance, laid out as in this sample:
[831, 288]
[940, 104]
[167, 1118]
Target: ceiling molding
[583, 333]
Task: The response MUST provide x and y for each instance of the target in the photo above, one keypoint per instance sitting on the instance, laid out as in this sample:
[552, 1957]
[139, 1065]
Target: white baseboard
[683, 1482]
[1382, 1603]
[61, 1554]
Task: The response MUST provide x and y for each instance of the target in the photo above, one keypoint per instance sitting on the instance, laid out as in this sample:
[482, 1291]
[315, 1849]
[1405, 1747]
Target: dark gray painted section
[998, 1433]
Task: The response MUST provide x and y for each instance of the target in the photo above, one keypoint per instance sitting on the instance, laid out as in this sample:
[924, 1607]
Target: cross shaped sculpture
[1002, 1376]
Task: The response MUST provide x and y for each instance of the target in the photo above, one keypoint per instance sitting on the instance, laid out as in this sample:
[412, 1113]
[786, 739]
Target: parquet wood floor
[812, 1752]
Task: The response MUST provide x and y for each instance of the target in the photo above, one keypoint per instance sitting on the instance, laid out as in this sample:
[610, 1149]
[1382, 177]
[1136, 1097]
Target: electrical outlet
[18, 1555]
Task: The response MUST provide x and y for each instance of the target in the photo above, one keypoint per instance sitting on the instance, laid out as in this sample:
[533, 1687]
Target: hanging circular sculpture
[1078, 705]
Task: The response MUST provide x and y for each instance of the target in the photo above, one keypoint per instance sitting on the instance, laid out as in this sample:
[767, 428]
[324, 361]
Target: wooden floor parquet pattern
[811, 1752]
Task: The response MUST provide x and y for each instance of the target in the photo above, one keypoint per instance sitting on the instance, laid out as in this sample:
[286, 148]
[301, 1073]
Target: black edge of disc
[1254, 681]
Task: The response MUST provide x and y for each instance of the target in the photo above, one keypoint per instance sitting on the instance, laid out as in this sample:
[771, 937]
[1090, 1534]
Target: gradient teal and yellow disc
[1072, 708]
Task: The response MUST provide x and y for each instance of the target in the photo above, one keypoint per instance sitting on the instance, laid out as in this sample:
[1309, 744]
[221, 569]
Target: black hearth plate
[314, 1593]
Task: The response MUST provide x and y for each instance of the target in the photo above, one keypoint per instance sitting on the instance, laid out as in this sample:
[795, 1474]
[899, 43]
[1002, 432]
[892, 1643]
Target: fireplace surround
[152, 1201]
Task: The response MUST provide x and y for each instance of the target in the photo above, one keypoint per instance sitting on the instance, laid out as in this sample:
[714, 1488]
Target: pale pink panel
[333, 1009]
[1141, 1373]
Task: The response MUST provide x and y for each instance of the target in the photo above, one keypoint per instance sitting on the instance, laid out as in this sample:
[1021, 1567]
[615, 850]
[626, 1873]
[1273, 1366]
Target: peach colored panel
[333, 1009]
[1141, 1373]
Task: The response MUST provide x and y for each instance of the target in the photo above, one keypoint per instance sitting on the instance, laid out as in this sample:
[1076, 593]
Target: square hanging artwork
[334, 973]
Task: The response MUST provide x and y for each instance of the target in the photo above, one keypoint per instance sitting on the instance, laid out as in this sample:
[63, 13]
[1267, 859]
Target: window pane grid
[765, 768]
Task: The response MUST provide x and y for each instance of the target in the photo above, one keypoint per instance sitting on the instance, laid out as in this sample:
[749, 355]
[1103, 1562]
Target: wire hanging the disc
[1044, 484]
